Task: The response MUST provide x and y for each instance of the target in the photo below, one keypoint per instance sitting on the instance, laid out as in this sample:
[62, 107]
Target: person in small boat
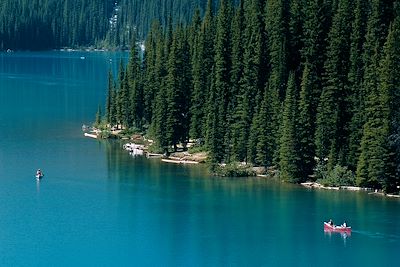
[39, 172]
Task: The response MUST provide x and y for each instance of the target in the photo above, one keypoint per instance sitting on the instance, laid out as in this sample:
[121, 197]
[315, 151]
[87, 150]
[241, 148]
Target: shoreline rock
[343, 187]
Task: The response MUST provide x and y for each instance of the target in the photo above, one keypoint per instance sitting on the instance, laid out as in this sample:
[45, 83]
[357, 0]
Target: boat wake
[377, 235]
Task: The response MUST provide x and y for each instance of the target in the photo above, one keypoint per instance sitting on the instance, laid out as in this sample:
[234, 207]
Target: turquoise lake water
[98, 206]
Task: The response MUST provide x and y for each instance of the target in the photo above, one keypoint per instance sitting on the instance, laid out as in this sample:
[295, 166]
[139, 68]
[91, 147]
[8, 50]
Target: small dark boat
[336, 228]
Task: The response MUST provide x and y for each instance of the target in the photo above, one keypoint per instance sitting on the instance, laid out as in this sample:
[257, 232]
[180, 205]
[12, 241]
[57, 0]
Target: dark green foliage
[295, 36]
[267, 121]
[110, 100]
[288, 159]
[276, 29]
[221, 81]
[136, 95]
[373, 165]
[177, 86]
[224, 80]
[306, 124]
[46, 24]
[98, 116]
[333, 115]
[234, 170]
[202, 61]
[338, 176]
[314, 43]
[389, 89]
[253, 77]
[356, 97]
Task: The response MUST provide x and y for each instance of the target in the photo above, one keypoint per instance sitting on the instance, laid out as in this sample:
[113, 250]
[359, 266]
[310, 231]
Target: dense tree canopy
[47, 24]
[302, 86]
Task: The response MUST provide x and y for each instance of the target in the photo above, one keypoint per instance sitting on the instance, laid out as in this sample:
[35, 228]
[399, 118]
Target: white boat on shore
[134, 149]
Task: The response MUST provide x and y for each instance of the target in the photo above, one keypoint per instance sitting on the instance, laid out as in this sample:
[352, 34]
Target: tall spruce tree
[276, 29]
[288, 159]
[355, 76]
[203, 61]
[305, 125]
[110, 100]
[134, 73]
[295, 39]
[389, 89]
[177, 84]
[221, 78]
[197, 97]
[313, 52]
[333, 115]
[268, 117]
[231, 136]
[150, 84]
[253, 77]
[372, 163]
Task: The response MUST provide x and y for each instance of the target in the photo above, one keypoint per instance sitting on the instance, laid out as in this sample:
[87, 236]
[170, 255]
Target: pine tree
[306, 125]
[389, 91]
[198, 97]
[276, 31]
[287, 149]
[355, 76]
[123, 111]
[314, 35]
[221, 81]
[372, 164]
[268, 119]
[295, 38]
[154, 69]
[98, 116]
[110, 100]
[333, 111]
[172, 83]
[253, 78]
[231, 136]
[255, 132]
[177, 86]
[135, 85]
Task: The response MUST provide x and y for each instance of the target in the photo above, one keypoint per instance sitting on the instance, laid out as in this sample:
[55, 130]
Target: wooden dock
[179, 161]
[91, 135]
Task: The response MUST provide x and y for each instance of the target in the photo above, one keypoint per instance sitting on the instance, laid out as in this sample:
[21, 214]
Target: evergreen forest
[52, 24]
[310, 88]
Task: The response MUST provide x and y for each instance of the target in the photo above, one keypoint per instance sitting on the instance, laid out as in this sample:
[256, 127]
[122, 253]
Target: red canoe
[336, 228]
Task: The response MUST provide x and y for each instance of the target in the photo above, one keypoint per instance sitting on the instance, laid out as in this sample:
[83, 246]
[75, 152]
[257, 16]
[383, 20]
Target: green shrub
[338, 176]
[197, 149]
[156, 148]
[129, 132]
[233, 170]
[104, 134]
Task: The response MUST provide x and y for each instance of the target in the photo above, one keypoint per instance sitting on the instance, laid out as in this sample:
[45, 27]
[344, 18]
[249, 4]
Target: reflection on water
[343, 235]
[37, 186]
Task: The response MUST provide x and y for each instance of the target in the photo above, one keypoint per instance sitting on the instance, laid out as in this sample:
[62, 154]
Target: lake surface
[98, 206]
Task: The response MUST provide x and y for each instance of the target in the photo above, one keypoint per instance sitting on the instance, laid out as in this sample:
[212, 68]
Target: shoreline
[141, 148]
[184, 157]
[371, 191]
